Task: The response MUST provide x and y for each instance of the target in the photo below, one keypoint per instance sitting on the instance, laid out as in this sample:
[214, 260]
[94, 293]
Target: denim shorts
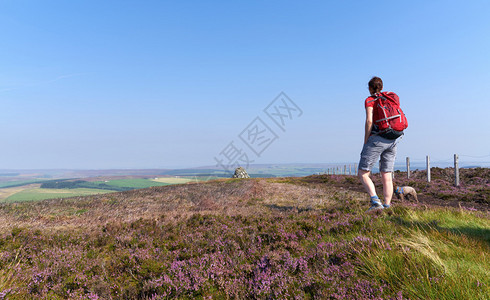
[378, 147]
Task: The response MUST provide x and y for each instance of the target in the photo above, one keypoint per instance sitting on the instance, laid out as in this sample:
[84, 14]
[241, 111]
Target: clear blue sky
[155, 84]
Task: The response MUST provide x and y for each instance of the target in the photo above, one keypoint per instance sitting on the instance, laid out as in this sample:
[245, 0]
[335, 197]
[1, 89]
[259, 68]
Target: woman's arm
[369, 123]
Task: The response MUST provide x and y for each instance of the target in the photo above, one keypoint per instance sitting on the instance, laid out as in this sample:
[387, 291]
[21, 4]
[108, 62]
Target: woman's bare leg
[367, 182]
[387, 180]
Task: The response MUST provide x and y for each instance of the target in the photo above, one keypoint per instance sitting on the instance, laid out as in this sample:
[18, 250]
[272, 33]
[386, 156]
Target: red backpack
[388, 116]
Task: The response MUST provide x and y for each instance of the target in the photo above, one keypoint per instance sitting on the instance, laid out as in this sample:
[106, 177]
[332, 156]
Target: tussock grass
[8, 273]
[435, 256]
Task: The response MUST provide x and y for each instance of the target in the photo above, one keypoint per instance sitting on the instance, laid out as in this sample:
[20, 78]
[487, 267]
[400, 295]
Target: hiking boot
[375, 205]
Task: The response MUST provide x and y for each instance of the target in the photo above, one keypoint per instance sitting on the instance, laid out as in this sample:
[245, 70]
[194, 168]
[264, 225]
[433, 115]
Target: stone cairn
[240, 173]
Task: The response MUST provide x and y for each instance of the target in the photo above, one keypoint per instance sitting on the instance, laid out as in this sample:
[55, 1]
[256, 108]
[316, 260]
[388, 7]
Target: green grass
[460, 222]
[440, 254]
[38, 194]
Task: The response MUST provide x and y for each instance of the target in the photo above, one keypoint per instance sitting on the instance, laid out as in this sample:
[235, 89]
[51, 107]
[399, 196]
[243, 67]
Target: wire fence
[410, 164]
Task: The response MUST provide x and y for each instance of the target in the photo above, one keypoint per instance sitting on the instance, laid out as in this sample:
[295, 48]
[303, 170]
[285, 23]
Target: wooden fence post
[355, 169]
[428, 167]
[345, 169]
[408, 167]
[456, 170]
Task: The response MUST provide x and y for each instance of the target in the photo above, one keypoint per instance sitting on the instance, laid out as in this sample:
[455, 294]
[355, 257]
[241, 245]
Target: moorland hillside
[259, 238]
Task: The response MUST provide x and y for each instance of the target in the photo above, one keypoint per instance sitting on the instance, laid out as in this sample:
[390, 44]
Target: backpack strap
[372, 100]
[389, 118]
[376, 97]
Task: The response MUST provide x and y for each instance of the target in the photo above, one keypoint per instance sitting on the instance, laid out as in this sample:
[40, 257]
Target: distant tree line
[21, 183]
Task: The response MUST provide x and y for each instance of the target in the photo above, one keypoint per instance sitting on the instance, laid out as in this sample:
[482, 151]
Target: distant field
[7, 192]
[37, 194]
[30, 190]
[135, 183]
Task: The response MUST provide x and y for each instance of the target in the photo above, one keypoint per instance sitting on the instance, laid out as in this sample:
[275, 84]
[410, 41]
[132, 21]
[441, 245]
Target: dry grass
[421, 243]
[172, 180]
[171, 203]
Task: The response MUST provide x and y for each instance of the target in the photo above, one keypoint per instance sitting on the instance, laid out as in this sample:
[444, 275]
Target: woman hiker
[380, 140]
